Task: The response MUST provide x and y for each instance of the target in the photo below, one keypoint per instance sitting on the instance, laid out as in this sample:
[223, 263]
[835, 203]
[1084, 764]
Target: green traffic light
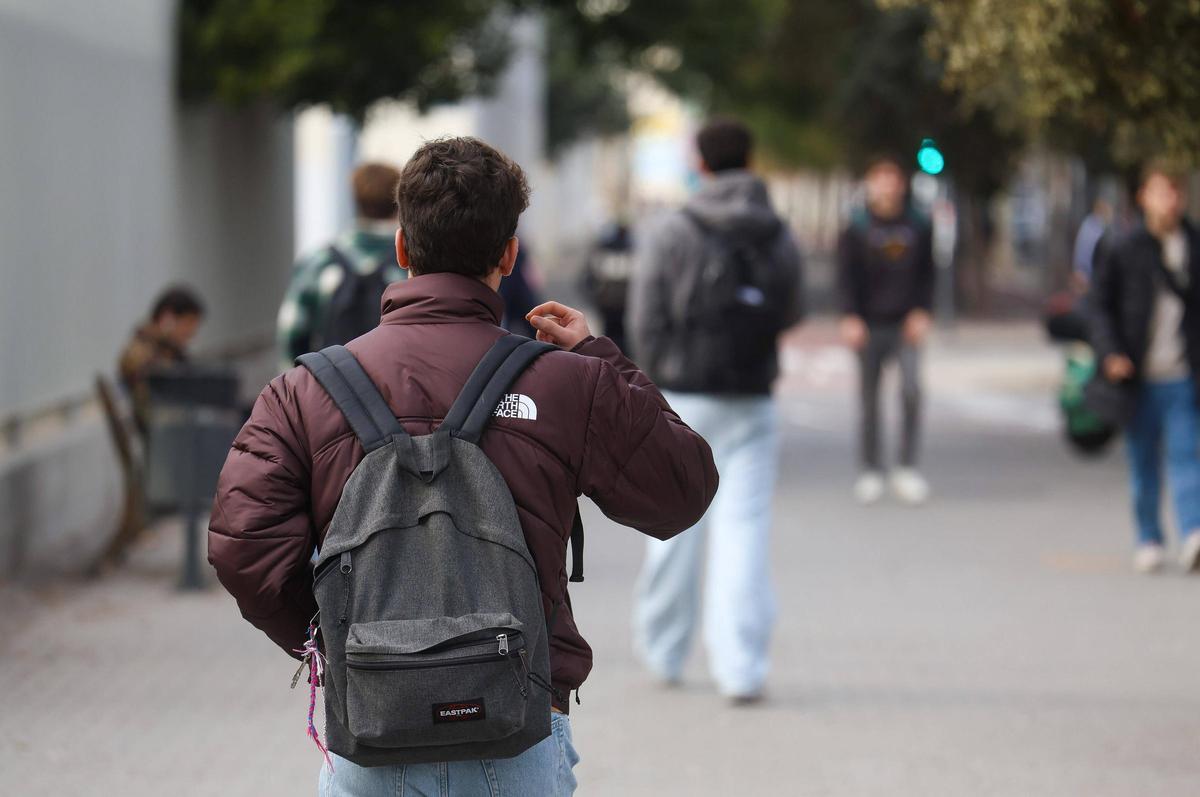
[930, 158]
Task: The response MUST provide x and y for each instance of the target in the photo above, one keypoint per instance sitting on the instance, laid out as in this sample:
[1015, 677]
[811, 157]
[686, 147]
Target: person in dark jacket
[885, 276]
[712, 344]
[1145, 329]
[606, 274]
[520, 295]
[595, 425]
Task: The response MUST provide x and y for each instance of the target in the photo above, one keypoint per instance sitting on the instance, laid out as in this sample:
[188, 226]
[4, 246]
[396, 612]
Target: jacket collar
[441, 299]
[1142, 232]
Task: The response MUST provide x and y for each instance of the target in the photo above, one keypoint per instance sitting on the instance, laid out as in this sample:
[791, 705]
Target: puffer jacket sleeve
[642, 465]
[261, 536]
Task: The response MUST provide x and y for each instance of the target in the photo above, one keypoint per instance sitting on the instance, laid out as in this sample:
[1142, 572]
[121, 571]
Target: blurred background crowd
[172, 176]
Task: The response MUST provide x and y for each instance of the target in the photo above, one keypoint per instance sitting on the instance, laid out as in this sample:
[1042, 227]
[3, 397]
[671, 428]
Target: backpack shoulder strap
[338, 256]
[577, 547]
[469, 416]
[499, 368]
[343, 378]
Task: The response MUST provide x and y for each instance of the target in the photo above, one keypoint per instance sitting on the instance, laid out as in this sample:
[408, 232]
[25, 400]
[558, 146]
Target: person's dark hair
[177, 300]
[1160, 167]
[459, 200]
[725, 144]
[374, 189]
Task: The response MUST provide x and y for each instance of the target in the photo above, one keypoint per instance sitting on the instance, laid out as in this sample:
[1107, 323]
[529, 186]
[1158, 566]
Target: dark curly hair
[458, 201]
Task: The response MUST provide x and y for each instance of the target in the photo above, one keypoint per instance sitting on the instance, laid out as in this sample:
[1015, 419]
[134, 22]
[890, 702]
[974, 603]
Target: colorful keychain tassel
[311, 655]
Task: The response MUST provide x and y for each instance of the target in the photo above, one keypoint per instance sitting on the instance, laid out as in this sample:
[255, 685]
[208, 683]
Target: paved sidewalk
[991, 643]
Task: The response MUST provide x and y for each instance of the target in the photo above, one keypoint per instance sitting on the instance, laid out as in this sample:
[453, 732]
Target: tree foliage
[346, 53]
[1126, 72]
[823, 82]
[829, 83]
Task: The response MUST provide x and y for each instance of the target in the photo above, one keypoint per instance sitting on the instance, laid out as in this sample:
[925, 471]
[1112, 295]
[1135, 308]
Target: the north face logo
[516, 405]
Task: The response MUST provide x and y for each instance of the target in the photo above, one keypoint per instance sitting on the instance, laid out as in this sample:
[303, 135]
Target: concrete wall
[109, 192]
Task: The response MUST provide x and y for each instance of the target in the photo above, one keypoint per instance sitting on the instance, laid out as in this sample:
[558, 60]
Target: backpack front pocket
[436, 681]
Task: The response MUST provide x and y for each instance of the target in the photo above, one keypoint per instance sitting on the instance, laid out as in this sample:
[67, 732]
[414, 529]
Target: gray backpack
[435, 639]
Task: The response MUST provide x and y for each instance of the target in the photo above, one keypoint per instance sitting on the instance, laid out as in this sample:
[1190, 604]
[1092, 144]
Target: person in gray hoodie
[714, 286]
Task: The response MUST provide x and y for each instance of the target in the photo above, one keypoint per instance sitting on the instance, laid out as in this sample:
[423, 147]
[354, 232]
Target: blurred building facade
[108, 192]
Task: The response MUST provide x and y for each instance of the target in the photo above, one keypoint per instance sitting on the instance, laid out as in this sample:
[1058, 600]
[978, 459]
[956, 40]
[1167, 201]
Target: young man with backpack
[1145, 328]
[335, 292]
[886, 278]
[713, 288]
[434, 464]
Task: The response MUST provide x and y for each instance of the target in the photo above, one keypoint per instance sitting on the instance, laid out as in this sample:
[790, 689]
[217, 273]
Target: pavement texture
[993, 642]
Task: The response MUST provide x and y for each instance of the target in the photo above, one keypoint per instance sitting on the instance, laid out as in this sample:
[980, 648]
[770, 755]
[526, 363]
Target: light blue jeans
[1166, 417]
[544, 769]
[739, 600]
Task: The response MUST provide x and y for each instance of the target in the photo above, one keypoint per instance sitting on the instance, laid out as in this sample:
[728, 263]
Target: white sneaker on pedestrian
[1190, 559]
[1149, 558]
[868, 488]
[910, 486]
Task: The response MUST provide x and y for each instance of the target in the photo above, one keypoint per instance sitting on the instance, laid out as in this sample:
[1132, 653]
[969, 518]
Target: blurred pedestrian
[1145, 327]
[602, 428]
[886, 276]
[520, 294]
[335, 293]
[606, 276]
[713, 288]
[1087, 240]
[160, 342]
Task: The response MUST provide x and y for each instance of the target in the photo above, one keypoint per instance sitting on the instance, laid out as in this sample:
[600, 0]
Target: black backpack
[354, 309]
[737, 310]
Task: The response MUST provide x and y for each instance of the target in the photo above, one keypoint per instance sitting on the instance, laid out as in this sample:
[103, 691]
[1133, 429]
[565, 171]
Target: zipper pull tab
[503, 640]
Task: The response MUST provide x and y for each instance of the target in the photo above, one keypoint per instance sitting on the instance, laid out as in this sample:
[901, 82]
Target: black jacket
[885, 268]
[1125, 286]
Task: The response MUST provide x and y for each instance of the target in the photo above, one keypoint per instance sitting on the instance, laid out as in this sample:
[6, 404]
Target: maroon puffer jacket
[602, 429]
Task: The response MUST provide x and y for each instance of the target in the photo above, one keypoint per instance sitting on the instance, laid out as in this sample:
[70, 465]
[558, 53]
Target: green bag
[1085, 431]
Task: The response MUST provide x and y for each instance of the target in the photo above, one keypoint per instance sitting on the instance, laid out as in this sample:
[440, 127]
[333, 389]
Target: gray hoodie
[733, 205]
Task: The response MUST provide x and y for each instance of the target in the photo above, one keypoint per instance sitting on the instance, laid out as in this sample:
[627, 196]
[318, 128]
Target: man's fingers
[553, 308]
[548, 331]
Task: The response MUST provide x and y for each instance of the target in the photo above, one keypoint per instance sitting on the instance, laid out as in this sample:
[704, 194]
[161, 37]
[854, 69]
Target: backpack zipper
[394, 664]
[503, 651]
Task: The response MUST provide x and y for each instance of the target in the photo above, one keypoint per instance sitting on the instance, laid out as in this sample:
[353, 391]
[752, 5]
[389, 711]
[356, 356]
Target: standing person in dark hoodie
[712, 289]
[885, 275]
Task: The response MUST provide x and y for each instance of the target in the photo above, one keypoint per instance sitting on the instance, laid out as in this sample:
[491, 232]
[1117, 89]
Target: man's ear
[401, 252]
[508, 261]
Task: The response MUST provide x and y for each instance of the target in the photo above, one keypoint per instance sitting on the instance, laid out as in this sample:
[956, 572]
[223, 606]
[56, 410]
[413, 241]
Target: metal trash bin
[193, 418]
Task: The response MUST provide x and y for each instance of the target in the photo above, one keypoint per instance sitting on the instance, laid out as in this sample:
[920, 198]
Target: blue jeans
[1166, 411]
[544, 769]
[739, 599]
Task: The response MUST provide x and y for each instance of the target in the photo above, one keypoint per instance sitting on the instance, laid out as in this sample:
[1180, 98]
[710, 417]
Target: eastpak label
[462, 711]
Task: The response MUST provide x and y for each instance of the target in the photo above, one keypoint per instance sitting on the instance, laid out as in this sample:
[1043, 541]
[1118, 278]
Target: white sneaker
[1149, 558]
[1190, 559]
[910, 486]
[868, 488]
